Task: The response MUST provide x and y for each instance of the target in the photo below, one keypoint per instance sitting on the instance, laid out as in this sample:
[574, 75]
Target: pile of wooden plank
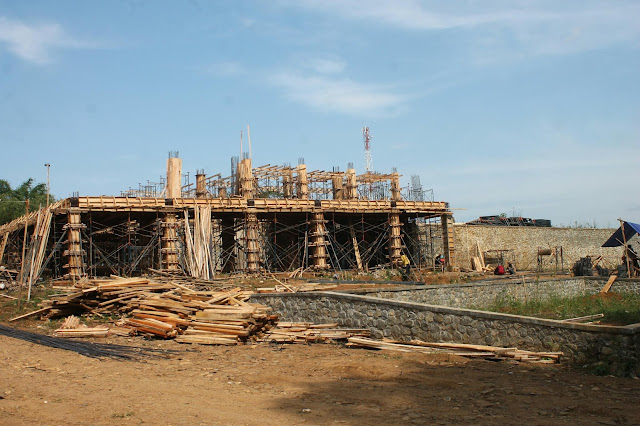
[304, 332]
[71, 327]
[460, 349]
[166, 310]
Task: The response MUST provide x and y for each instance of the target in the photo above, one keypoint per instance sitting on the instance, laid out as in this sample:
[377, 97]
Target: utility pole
[47, 166]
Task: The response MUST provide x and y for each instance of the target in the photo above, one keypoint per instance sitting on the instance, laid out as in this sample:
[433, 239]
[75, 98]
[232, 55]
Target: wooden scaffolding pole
[624, 246]
[356, 249]
[3, 245]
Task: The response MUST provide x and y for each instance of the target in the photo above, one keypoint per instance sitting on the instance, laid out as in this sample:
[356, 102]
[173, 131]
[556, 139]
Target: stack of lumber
[197, 283]
[304, 332]
[71, 327]
[166, 310]
[460, 349]
[101, 296]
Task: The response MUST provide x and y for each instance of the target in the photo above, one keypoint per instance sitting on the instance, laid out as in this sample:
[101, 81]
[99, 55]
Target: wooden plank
[585, 318]
[83, 332]
[356, 249]
[30, 314]
[609, 283]
[8, 297]
[205, 340]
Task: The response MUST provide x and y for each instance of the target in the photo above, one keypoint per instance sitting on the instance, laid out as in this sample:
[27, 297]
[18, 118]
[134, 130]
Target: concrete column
[75, 254]
[287, 184]
[337, 186]
[201, 186]
[303, 183]
[395, 187]
[252, 248]
[318, 243]
[169, 242]
[395, 239]
[245, 179]
[352, 185]
[174, 178]
[447, 242]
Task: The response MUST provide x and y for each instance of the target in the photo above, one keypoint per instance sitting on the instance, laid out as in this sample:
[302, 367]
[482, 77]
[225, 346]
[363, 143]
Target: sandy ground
[299, 384]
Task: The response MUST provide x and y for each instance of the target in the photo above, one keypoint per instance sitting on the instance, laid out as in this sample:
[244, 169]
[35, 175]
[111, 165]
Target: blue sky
[529, 107]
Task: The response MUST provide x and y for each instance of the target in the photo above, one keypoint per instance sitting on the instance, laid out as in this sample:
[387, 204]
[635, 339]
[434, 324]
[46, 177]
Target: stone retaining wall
[616, 348]
[524, 241]
[481, 294]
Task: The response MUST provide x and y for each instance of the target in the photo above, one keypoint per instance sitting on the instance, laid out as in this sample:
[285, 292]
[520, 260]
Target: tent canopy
[616, 240]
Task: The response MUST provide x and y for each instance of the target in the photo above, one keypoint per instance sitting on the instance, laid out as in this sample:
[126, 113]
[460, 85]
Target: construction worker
[406, 264]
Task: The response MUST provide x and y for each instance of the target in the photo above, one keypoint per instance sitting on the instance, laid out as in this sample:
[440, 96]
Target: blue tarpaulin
[616, 240]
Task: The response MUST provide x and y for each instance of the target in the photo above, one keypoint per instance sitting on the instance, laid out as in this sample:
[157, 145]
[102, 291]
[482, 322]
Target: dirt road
[296, 384]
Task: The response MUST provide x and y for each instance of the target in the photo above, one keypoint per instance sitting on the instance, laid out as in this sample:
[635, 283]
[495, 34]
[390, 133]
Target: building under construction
[268, 218]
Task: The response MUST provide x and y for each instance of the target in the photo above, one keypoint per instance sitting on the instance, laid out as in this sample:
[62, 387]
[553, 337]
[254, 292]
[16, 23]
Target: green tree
[12, 200]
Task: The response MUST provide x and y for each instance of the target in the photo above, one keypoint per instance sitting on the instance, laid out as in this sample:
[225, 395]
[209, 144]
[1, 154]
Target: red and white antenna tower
[367, 149]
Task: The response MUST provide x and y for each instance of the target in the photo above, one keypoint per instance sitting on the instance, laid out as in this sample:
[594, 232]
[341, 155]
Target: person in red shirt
[499, 270]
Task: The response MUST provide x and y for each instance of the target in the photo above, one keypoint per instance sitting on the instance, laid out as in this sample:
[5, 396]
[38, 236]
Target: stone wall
[617, 348]
[524, 241]
[485, 293]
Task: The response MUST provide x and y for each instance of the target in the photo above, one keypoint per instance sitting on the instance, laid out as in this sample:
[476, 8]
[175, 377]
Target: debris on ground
[460, 349]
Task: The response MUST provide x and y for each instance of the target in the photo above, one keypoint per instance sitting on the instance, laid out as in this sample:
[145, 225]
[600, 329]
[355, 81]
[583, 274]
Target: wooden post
[252, 248]
[624, 246]
[3, 246]
[395, 187]
[74, 253]
[174, 178]
[395, 239]
[447, 241]
[24, 247]
[356, 249]
[169, 248]
[303, 184]
[318, 243]
[352, 185]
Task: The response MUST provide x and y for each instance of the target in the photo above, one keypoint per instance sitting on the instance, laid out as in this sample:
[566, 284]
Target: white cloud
[418, 15]
[35, 42]
[337, 94]
[498, 28]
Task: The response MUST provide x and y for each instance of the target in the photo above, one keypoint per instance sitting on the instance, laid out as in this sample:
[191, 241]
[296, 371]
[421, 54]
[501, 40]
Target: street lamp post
[47, 166]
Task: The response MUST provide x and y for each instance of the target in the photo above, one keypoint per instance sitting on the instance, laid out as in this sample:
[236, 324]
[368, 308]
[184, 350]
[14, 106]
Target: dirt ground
[299, 384]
